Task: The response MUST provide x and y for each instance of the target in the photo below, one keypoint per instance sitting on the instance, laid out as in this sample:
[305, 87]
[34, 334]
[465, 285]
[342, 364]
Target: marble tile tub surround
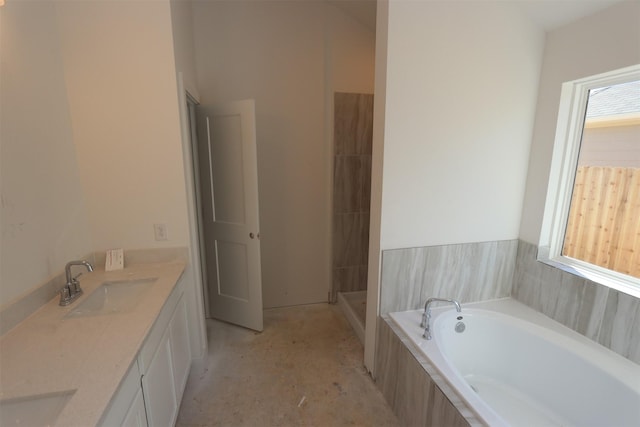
[604, 315]
[475, 272]
[467, 272]
[417, 394]
[17, 311]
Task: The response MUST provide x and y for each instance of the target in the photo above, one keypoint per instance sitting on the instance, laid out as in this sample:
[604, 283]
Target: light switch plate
[115, 260]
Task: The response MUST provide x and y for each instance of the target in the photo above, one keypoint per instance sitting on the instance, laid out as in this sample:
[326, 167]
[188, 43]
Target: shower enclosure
[353, 132]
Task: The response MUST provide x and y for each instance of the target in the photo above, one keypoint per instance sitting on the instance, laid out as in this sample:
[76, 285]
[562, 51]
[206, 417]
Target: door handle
[251, 235]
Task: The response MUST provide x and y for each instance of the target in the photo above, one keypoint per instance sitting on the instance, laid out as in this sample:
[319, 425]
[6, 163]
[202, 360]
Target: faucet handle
[75, 285]
[65, 293]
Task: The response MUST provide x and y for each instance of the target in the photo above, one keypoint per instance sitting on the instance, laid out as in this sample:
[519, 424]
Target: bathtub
[513, 366]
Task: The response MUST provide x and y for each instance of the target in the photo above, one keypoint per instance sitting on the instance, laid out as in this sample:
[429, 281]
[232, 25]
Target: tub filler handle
[426, 315]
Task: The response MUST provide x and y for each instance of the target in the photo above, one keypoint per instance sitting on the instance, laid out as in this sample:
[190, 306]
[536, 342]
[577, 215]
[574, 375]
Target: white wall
[91, 141]
[184, 49]
[121, 80]
[184, 52]
[351, 53]
[377, 164]
[43, 213]
[459, 82]
[605, 41]
[279, 53]
[461, 89]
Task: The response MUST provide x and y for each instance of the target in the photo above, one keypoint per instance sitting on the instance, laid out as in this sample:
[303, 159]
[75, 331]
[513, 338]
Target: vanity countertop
[47, 353]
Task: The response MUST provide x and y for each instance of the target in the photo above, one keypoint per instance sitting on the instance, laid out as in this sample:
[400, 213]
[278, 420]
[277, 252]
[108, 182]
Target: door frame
[195, 176]
[198, 337]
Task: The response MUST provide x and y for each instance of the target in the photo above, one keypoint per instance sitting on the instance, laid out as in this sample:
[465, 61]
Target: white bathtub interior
[515, 366]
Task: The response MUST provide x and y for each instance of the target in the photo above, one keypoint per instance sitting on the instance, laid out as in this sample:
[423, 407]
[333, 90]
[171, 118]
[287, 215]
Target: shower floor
[354, 307]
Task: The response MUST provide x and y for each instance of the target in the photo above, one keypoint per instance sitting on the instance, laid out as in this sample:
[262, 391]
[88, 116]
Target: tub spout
[426, 315]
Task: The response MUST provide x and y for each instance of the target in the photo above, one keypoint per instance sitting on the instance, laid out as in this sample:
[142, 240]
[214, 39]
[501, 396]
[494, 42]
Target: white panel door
[229, 194]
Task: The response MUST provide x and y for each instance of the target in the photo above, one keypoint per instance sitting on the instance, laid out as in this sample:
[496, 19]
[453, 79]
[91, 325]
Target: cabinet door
[180, 350]
[123, 400]
[136, 416]
[158, 387]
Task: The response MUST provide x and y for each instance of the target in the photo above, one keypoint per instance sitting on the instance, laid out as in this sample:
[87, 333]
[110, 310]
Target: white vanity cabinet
[127, 406]
[152, 390]
[180, 348]
[158, 386]
[136, 416]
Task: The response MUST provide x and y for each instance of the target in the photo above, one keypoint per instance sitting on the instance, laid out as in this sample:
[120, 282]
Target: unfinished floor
[304, 369]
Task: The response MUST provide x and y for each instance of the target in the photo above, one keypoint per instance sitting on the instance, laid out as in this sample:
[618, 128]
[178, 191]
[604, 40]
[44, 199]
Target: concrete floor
[304, 369]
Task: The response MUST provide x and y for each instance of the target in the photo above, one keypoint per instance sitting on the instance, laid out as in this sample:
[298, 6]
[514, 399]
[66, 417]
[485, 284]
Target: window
[591, 223]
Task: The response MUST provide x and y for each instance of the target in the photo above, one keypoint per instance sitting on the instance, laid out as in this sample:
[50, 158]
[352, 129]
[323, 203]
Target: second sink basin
[113, 297]
[33, 411]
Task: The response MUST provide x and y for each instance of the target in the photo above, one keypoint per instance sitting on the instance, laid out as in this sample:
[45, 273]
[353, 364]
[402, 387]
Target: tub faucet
[71, 289]
[426, 315]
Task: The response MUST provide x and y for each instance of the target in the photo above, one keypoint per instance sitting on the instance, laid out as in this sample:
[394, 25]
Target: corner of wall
[603, 315]
[377, 160]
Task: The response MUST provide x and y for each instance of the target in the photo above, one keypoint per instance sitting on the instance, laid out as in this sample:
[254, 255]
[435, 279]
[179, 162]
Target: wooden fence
[604, 221]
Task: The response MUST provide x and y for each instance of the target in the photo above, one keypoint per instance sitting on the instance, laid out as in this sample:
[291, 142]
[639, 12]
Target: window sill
[621, 282]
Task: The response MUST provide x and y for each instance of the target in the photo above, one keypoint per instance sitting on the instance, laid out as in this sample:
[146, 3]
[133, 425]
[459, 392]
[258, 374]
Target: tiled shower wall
[353, 132]
[604, 315]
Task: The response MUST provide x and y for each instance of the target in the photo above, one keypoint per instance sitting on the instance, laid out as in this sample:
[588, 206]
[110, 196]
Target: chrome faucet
[426, 315]
[71, 289]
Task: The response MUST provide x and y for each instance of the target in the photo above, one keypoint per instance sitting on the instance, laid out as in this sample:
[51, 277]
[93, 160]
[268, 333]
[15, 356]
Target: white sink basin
[33, 411]
[113, 297]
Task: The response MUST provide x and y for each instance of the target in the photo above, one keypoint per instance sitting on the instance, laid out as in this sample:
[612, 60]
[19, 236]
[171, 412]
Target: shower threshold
[354, 307]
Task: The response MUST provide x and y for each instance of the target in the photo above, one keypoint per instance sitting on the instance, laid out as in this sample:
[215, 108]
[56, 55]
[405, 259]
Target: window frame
[564, 163]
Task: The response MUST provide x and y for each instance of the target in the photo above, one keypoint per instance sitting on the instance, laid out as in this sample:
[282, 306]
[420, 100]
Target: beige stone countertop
[47, 353]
